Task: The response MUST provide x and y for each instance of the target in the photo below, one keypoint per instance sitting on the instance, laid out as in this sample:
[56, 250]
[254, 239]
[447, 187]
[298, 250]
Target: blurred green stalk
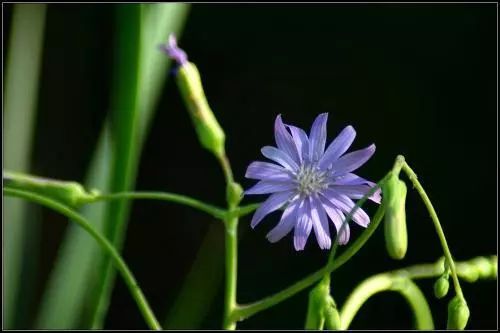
[24, 56]
[65, 299]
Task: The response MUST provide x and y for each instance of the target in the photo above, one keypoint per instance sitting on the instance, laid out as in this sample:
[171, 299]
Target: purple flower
[311, 184]
[174, 51]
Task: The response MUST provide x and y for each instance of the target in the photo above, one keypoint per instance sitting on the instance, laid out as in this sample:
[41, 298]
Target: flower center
[310, 180]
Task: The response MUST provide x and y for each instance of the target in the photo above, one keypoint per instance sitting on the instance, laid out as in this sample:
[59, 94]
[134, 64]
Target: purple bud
[174, 51]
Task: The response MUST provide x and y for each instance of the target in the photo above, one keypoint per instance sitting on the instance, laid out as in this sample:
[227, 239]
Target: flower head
[311, 184]
[174, 51]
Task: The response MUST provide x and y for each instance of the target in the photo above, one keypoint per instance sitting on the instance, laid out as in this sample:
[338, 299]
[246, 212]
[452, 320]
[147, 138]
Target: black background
[415, 79]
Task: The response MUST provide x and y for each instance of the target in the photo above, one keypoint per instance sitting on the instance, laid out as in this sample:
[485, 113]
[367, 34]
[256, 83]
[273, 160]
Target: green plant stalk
[75, 263]
[21, 94]
[231, 272]
[413, 177]
[247, 310]
[216, 212]
[383, 282]
[104, 243]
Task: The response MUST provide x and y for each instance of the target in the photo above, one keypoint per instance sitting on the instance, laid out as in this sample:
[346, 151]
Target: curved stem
[216, 212]
[248, 310]
[127, 275]
[413, 177]
[383, 282]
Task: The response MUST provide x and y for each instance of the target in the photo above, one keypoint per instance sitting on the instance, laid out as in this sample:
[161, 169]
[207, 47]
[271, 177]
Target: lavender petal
[320, 224]
[353, 160]
[317, 137]
[280, 157]
[266, 186]
[345, 204]
[338, 219]
[301, 142]
[338, 146]
[274, 202]
[286, 224]
[284, 140]
[303, 227]
[358, 191]
[265, 170]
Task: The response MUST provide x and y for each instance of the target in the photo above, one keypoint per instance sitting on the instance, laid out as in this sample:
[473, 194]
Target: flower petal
[345, 204]
[338, 146]
[284, 140]
[353, 160]
[303, 227]
[301, 142]
[280, 157]
[267, 186]
[338, 219]
[320, 224]
[268, 171]
[274, 202]
[286, 224]
[351, 179]
[317, 137]
[357, 191]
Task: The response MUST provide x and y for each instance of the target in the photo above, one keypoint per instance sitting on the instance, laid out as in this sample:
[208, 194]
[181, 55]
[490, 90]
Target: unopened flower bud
[394, 196]
[234, 193]
[458, 314]
[469, 272]
[209, 131]
[67, 192]
[332, 316]
[484, 267]
[441, 287]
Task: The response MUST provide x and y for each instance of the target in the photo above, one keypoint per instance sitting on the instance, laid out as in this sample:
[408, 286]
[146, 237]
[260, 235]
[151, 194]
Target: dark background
[415, 79]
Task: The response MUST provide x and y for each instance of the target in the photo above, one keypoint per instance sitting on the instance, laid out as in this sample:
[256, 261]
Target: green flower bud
[209, 132]
[441, 287]
[494, 269]
[484, 267]
[469, 272]
[67, 192]
[234, 193]
[318, 299]
[332, 316]
[458, 314]
[394, 196]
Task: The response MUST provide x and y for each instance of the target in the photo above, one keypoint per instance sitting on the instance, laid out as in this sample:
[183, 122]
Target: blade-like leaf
[75, 266]
[24, 56]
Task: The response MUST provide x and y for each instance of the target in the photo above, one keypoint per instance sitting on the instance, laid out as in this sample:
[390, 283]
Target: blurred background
[415, 79]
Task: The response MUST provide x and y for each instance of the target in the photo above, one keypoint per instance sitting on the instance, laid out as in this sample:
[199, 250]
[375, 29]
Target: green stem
[248, 310]
[216, 212]
[449, 259]
[127, 275]
[231, 272]
[383, 282]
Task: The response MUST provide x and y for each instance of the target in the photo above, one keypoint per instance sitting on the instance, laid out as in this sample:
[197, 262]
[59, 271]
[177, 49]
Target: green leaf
[24, 54]
[74, 268]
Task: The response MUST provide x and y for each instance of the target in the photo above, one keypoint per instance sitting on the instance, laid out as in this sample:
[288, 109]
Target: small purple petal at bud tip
[174, 51]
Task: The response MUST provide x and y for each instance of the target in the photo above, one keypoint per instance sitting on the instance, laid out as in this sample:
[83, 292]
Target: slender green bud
[209, 131]
[458, 314]
[441, 287]
[234, 193]
[394, 196]
[484, 267]
[469, 272]
[67, 192]
[332, 316]
[318, 297]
